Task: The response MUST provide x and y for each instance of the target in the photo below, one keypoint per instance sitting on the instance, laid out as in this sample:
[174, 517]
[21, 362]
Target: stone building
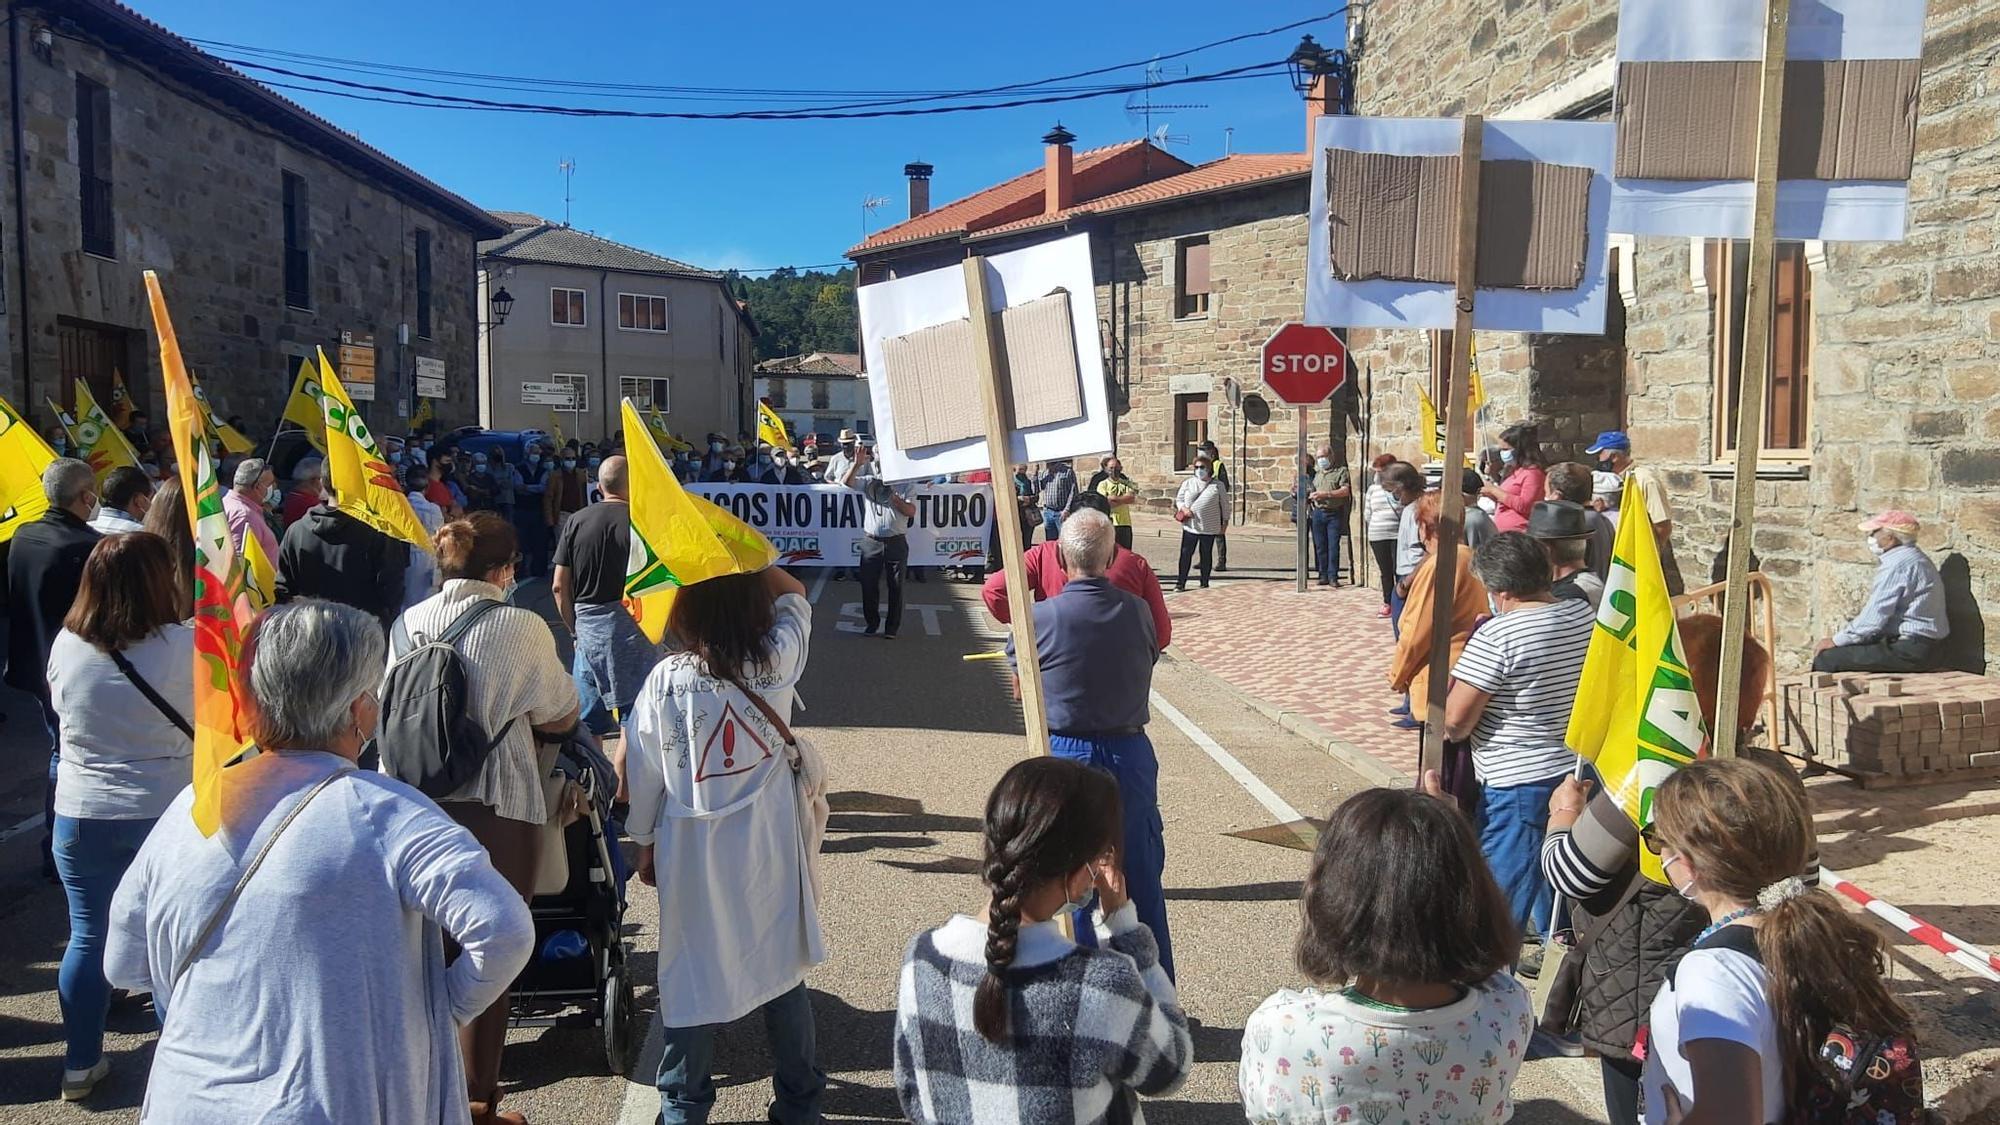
[1196, 265]
[820, 393]
[605, 321]
[273, 231]
[1885, 388]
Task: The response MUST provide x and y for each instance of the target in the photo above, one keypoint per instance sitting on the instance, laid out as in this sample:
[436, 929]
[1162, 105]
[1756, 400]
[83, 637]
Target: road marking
[1254, 785]
[642, 1098]
[819, 584]
[30, 823]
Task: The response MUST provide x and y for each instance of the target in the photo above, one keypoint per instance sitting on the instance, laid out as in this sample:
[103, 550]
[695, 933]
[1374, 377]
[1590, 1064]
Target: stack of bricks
[1889, 727]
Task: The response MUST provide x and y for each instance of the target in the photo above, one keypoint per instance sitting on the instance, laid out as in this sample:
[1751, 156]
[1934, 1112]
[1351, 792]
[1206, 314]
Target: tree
[798, 313]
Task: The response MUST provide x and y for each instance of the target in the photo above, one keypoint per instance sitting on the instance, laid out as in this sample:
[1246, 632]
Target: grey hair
[1087, 543]
[308, 662]
[309, 468]
[66, 480]
[1511, 563]
[1566, 552]
[248, 470]
[1901, 538]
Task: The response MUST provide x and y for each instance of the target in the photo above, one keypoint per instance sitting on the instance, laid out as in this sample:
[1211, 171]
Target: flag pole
[990, 362]
[1451, 498]
[1750, 382]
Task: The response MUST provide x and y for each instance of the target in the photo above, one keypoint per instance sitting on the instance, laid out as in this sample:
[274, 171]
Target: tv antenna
[869, 205]
[567, 167]
[1142, 105]
[1163, 138]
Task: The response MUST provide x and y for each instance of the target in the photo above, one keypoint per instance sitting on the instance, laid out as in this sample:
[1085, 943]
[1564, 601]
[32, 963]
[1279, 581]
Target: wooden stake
[997, 403]
[1451, 498]
[1302, 484]
[1750, 381]
[1364, 465]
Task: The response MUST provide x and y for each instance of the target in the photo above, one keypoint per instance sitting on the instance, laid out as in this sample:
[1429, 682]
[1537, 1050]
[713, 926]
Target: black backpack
[425, 738]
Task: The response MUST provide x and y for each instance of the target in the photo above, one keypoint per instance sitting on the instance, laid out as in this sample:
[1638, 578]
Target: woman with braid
[1061, 1034]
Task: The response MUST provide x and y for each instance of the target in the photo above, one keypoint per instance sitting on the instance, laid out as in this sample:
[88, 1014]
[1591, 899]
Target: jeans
[589, 701]
[1121, 534]
[53, 724]
[686, 1066]
[91, 856]
[1512, 820]
[1130, 759]
[1191, 543]
[1621, 1089]
[1326, 528]
[880, 557]
[1898, 654]
[1051, 524]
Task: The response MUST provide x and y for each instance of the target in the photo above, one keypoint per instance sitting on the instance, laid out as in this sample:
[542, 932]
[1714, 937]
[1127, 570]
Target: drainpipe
[20, 312]
[604, 352]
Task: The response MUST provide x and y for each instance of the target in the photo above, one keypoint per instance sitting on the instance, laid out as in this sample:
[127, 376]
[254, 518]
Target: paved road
[916, 737]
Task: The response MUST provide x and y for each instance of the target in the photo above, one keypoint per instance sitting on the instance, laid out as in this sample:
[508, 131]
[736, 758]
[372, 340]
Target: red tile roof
[1098, 173]
[1241, 170]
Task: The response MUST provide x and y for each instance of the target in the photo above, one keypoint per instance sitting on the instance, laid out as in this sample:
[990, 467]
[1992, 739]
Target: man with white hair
[1903, 626]
[1097, 649]
[256, 488]
[306, 478]
[44, 569]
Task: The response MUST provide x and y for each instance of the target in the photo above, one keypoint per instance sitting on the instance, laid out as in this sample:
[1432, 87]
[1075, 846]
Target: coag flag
[1433, 426]
[657, 422]
[555, 427]
[425, 414]
[23, 455]
[1475, 387]
[771, 428]
[260, 575]
[678, 539]
[97, 441]
[1636, 715]
[305, 409]
[364, 486]
[222, 608]
[120, 405]
[232, 439]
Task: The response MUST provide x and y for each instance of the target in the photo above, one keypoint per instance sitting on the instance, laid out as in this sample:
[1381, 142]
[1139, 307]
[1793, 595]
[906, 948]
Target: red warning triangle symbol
[733, 747]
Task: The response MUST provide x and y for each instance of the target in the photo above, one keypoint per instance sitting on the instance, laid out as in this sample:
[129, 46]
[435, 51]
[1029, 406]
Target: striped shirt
[1529, 661]
[511, 673]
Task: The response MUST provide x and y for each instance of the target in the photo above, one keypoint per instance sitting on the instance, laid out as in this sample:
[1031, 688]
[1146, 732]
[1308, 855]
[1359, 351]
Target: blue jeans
[91, 856]
[1326, 529]
[1051, 524]
[1512, 821]
[687, 1094]
[589, 702]
[1129, 758]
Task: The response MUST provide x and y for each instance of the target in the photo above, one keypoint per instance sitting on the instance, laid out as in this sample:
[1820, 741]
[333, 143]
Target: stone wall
[1905, 393]
[197, 196]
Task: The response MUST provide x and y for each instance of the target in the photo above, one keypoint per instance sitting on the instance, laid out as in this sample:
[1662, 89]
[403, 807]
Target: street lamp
[503, 303]
[1309, 63]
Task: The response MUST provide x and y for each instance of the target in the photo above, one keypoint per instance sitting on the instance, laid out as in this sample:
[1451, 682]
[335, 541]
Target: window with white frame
[647, 392]
[579, 389]
[566, 308]
[641, 312]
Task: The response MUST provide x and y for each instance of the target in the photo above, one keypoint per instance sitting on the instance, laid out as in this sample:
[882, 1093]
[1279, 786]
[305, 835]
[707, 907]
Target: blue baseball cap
[1609, 440]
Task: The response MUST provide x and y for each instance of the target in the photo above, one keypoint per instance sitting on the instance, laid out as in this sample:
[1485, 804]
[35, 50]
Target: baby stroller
[580, 974]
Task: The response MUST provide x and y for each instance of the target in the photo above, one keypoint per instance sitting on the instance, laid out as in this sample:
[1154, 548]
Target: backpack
[425, 738]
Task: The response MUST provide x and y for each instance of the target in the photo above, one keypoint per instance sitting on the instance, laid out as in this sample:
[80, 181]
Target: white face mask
[1202, 474]
[1875, 547]
[1323, 464]
[1667, 861]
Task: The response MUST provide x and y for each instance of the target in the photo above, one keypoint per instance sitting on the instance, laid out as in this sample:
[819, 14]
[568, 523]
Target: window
[1191, 277]
[424, 284]
[647, 393]
[822, 395]
[638, 312]
[566, 307]
[579, 388]
[93, 165]
[95, 353]
[774, 392]
[1190, 428]
[298, 242]
[1788, 381]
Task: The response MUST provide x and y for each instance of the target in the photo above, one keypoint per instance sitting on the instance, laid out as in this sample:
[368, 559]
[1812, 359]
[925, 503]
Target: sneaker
[870, 631]
[1385, 612]
[77, 1084]
[1400, 709]
[1545, 1045]
[1530, 964]
[887, 635]
[1406, 723]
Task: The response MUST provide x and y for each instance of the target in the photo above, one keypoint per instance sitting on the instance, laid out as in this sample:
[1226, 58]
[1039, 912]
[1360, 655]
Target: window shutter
[1194, 267]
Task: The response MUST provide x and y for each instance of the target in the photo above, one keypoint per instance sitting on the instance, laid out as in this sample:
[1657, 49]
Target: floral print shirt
[1319, 1057]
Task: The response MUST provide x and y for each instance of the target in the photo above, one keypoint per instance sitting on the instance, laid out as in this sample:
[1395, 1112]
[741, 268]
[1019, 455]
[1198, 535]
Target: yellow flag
[23, 456]
[771, 428]
[1432, 426]
[222, 609]
[1475, 387]
[260, 575]
[1636, 715]
[424, 414]
[657, 422]
[364, 486]
[232, 439]
[97, 440]
[304, 407]
[677, 539]
[120, 406]
[555, 428]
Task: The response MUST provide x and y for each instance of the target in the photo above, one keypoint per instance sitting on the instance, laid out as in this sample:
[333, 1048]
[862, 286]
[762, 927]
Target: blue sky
[760, 194]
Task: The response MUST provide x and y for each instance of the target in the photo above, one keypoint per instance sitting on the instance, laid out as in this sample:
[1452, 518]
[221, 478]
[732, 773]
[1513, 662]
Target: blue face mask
[594, 462]
[534, 458]
[568, 464]
[1506, 456]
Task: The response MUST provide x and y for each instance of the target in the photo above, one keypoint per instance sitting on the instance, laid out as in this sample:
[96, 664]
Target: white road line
[1251, 783]
[819, 584]
[32, 822]
[642, 1098]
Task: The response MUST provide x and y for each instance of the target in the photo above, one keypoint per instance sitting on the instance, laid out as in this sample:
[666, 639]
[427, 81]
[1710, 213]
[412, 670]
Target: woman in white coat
[1202, 507]
[717, 810]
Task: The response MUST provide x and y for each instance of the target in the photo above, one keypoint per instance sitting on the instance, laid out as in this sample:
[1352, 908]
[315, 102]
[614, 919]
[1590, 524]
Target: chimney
[1058, 175]
[920, 187]
[1316, 108]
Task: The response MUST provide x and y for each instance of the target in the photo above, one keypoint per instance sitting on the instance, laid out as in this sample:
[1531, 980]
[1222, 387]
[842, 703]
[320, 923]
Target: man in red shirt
[306, 478]
[1046, 576]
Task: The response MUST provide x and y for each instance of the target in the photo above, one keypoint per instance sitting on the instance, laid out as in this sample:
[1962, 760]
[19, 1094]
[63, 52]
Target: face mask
[729, 466]
[1077, 904]
[1506, 456]
[763, 462]
[1875, 547]
[396, 458]
[1202, 474]
[1493, 604]
[534, 458]
[1667, 861]
[568, 463]
[1604, 463]
[715, 447]
[272, 497]
[595, 462]
[1323, 464]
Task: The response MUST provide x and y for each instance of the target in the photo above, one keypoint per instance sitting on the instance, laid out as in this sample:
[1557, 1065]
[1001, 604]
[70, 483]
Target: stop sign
[1304, 364]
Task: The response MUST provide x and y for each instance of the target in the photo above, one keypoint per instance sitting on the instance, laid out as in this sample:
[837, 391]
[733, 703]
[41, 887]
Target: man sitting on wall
[1903, 626]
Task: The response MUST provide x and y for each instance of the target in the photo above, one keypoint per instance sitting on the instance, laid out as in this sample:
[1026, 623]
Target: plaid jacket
[1088, 1029]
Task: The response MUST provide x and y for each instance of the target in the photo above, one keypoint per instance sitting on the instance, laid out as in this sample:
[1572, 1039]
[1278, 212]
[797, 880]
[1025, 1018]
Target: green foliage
[799, 313]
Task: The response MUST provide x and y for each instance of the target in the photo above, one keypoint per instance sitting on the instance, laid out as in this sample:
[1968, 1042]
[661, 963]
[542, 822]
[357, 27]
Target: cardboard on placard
[1395, 217]
[1844, 119]
[930, 374]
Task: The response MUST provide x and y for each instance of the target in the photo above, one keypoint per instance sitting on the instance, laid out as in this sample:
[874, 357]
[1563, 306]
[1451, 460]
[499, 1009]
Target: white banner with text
[822, 524]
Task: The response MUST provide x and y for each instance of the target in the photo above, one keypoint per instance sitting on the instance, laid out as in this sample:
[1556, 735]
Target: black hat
[1558, 519]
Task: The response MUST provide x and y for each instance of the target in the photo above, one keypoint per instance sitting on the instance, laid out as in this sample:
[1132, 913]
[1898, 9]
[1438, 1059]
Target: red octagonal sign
[1303, 364]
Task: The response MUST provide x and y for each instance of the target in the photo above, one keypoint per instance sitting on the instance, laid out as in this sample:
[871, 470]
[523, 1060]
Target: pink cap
[1903, 523]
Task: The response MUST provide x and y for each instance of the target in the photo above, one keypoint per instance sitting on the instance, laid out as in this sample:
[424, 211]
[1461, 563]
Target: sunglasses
[1650, 836]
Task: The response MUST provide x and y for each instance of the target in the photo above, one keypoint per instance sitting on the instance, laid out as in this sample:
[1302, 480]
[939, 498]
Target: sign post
[1303, 365]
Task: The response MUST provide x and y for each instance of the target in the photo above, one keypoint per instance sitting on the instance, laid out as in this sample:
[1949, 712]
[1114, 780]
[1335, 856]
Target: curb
[1371, 768]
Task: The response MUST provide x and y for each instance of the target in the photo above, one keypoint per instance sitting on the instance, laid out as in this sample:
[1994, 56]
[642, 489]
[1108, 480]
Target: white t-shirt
[1530, 661]
[1409, 545]
[1714, 993]
[122, 759]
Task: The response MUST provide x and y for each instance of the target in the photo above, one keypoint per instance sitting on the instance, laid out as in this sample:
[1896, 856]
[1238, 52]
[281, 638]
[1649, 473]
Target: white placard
[559, 395]
[821, 524]
[907, 304]
[430, 377]
[1380, 303]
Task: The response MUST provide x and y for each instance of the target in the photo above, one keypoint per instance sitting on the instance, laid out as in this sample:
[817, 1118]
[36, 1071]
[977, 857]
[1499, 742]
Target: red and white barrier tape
[1958, 949]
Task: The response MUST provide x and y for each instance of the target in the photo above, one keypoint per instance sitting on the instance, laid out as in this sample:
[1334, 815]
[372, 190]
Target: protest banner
[820, 524]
